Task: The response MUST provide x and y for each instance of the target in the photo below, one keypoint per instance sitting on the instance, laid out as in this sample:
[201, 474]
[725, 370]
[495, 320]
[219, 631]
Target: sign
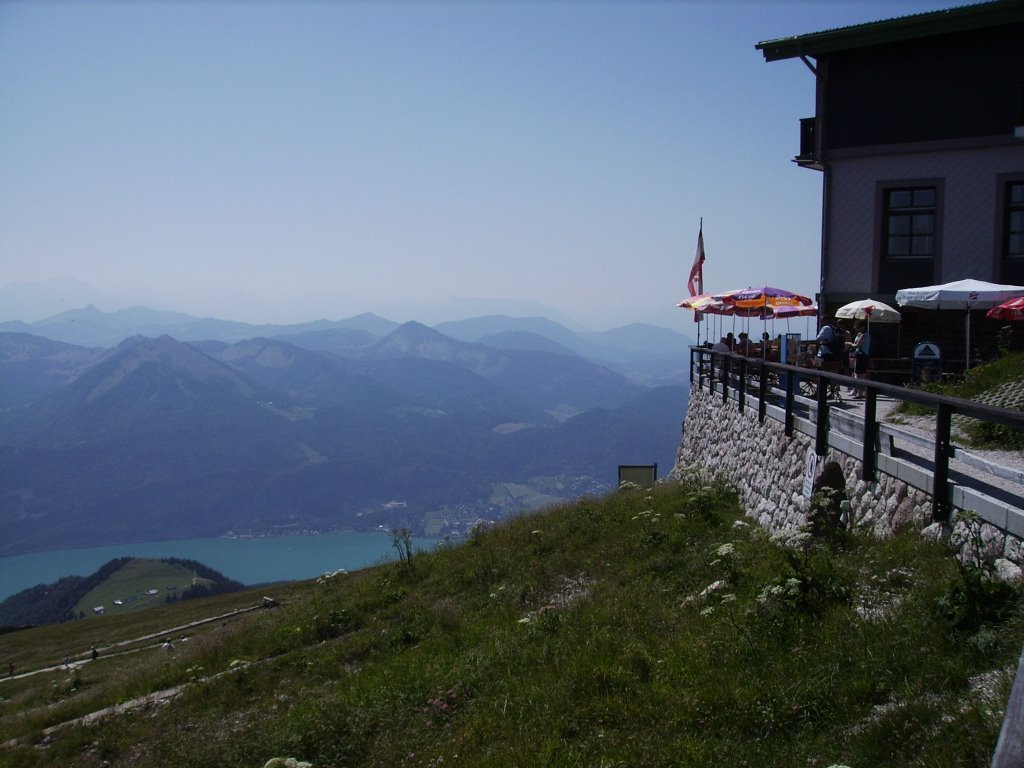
[810, 467]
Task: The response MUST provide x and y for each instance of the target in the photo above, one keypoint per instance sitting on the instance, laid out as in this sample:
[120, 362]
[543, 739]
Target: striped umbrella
[1008, 310]
[762, 301]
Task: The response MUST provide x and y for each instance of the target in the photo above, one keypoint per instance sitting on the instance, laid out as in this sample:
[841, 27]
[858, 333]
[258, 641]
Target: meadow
[647, 627]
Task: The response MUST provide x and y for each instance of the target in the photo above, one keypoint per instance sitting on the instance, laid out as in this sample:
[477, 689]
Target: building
[918, 133]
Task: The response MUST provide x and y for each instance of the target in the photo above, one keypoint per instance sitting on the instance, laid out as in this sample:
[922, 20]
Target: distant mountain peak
[173, 359]
[415, 339]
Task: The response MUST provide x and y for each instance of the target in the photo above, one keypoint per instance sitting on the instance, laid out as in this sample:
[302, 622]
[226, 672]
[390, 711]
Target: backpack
[837, 344]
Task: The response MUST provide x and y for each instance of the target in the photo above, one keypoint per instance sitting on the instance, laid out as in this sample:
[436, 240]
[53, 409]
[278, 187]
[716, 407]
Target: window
[909, 223]
[908, 233]
[1013, 243]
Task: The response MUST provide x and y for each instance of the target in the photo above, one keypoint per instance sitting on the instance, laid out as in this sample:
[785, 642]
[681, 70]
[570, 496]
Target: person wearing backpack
[831, 345]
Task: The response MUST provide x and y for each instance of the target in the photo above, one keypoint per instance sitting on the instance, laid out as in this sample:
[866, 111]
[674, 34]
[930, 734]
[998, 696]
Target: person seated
[722, 345]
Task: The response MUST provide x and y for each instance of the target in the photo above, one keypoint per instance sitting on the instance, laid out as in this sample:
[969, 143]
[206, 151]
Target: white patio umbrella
[960, 294]
[873, 311]
[868, 309]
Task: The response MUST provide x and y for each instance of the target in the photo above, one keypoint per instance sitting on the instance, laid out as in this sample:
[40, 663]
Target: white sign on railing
[810, 467]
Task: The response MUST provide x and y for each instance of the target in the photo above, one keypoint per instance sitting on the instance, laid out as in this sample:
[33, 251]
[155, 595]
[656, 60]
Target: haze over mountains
[645, 353]
[143, 425]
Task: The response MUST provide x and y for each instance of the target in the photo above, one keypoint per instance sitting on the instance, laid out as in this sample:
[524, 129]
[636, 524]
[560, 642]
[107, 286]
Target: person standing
[831, 346]
[861, 353]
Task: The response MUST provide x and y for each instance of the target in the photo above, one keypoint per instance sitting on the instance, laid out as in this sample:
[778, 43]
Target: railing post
[1010, 746]
[742, 393]
[868, 460]
[821, 431]
[726, 366]
[762, 394]
[940, 484]
[700, 371]
[790, 386]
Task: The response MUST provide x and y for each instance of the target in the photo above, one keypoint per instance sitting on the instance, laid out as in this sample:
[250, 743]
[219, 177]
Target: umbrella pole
[967, 352]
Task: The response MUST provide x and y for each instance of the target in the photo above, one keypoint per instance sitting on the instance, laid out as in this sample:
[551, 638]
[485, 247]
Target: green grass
[520, 496]
[573, 637]
[981, 383]
[131, 584]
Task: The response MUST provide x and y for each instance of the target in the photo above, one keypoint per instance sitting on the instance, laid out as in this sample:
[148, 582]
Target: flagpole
[695, 283]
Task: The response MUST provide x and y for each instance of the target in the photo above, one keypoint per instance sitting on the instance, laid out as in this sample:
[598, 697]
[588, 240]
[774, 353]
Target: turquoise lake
[250, 561]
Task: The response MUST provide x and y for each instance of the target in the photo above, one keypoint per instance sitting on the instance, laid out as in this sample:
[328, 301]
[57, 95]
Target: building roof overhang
[930, 24]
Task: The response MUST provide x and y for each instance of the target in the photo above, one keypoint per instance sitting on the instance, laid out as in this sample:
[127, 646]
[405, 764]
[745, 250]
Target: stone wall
[768, 468]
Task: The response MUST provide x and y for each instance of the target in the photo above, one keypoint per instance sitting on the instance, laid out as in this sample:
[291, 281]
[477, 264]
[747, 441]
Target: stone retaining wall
[767, 468]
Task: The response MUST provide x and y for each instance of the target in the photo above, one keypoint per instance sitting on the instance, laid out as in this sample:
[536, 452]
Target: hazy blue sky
[289, 161]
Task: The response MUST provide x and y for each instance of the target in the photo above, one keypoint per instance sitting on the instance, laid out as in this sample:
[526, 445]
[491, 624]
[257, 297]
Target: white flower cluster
[788, 590]
[792, 538]
[649, 513]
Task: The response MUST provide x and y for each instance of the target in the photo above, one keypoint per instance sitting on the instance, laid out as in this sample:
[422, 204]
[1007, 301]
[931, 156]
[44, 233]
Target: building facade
[919, 136]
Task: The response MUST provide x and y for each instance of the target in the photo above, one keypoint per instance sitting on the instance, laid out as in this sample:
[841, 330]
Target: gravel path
[1008, 396]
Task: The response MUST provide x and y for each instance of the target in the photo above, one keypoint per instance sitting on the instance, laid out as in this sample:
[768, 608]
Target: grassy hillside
[122, 585]
[652, 628]
[134, 583]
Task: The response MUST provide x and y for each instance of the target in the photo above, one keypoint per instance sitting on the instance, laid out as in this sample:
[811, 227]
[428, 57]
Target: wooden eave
[931, 24]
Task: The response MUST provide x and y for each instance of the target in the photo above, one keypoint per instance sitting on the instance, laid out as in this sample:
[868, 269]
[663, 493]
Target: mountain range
[347, 425]
[645, 353]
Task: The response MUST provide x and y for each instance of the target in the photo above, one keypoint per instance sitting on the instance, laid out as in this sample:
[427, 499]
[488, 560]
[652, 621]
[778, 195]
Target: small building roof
[929, 24]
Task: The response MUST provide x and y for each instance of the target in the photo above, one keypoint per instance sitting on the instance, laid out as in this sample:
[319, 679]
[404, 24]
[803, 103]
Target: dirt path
[105, 652]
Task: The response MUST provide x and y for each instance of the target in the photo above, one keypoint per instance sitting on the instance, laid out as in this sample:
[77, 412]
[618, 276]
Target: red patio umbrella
[1008, 310]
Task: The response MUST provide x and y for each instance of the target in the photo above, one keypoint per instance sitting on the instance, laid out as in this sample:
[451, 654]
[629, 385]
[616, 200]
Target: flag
[696, 282]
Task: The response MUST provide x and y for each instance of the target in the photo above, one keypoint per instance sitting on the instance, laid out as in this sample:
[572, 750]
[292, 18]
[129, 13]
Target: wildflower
[797, 539]
[726, 550]
[707, 611]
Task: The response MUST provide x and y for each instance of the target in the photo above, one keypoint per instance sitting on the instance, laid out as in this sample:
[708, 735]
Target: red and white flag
[696, 282]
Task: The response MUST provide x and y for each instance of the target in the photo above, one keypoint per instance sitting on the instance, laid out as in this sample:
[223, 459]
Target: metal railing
[737, 376]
